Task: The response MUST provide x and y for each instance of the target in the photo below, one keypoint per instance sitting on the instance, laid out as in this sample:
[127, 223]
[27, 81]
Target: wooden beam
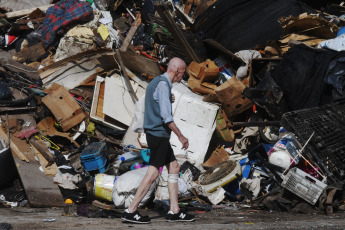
[21, 13]
[123, 70]
[131, 33]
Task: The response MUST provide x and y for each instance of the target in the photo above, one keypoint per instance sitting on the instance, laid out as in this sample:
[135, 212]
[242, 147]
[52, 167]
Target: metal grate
[327, 147]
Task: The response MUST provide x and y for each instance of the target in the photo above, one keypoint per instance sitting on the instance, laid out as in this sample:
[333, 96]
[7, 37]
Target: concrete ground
[232, 218]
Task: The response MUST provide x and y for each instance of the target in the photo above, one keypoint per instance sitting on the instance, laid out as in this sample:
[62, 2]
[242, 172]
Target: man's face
[179, 74]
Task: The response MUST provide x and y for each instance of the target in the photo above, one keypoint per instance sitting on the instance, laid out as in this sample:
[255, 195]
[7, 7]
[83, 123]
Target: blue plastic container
[93, 158]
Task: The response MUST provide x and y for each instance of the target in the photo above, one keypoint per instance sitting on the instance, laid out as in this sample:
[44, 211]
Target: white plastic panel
[196, 120]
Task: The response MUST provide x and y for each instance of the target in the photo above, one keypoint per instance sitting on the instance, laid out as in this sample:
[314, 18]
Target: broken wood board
[40, 189]
[140, 65]
[96, 113]
[74, 73]
[14, 148]
[78, 72]
[298, 38]
[137, 79]
[118, 102]
[30, 54]
[21, 13]
[311, 25]
[75, 70]
[66, 110]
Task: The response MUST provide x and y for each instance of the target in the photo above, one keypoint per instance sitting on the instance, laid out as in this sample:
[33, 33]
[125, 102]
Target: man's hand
[184, 142]
[181, 138]
[172, 98]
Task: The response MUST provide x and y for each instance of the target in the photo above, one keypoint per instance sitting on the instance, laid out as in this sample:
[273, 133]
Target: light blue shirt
[161, 95]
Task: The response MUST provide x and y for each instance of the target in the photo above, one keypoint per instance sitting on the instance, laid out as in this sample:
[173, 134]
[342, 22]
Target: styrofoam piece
[217, 196]
[195, 118]
[303, 185]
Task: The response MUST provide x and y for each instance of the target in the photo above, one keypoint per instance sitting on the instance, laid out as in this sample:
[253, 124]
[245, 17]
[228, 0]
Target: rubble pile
[262, 103]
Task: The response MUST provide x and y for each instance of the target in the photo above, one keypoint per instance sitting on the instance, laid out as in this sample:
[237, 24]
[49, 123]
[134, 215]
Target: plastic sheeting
[240, 25]
[301, 76]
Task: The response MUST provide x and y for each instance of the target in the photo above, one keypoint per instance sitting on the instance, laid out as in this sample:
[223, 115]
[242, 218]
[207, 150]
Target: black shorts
[161, 152]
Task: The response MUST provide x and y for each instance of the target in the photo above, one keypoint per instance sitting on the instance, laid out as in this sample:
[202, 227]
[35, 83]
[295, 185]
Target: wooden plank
[100, 102]
[131, 33]
[21, 13]
[137, 79]
[30, 54]
[123, 68]
[39, 188]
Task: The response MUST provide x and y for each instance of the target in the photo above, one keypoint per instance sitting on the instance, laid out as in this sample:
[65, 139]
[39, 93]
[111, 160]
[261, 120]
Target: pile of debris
[261, 103]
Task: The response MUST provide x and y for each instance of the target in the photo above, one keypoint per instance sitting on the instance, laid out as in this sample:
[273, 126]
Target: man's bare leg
[173, 168]
[150, 176]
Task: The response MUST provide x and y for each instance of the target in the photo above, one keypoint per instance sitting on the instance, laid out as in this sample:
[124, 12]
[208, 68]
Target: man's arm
[162, 95]
[181, 138]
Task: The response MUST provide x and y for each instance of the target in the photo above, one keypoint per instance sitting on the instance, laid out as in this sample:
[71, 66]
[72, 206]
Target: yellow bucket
[103, 186]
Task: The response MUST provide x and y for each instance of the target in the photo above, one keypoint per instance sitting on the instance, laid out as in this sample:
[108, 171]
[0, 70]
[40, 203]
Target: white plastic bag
[337, 43]
[246, 56]
[138, 124]
[126, 186]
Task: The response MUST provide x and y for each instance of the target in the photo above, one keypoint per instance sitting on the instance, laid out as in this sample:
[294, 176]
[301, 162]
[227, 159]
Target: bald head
[176, 69]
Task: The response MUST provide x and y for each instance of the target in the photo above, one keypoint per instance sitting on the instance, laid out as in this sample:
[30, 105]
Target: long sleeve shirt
[162, 96]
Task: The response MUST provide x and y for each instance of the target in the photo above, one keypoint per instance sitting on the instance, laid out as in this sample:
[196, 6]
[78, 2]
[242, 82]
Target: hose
[27, 91]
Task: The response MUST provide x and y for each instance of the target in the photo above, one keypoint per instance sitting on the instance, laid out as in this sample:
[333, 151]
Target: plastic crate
[93, 158]
[327, 146]
[303, 185]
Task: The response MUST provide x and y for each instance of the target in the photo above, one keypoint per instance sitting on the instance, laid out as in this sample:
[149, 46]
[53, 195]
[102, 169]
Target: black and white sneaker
[180, 216]
[135, 217]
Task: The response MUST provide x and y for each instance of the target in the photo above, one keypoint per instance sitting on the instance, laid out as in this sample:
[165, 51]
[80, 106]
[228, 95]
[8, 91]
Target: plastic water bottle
[128, 156]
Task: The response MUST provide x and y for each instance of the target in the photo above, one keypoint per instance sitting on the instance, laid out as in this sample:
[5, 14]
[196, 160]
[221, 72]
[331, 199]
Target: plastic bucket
[103, 186]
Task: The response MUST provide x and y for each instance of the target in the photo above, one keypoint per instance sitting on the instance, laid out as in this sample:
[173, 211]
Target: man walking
[158, 124]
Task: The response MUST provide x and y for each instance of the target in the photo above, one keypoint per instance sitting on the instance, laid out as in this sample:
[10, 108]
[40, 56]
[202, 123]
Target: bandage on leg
[173, 178]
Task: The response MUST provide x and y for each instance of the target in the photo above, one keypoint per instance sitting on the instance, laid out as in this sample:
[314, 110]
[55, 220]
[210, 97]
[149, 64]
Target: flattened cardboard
[230, 94]
[65, 109]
